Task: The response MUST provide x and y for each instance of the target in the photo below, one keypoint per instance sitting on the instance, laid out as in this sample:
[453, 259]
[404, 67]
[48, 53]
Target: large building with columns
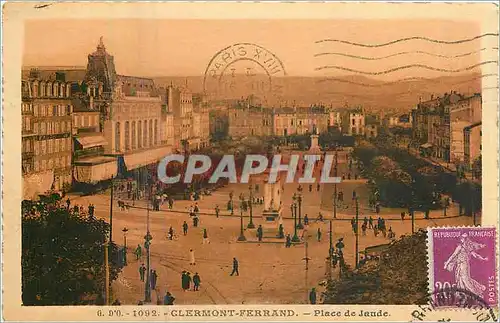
[133, 118]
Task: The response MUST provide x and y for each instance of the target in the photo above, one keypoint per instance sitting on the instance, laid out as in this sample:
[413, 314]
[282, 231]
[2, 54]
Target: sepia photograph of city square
[372, 129]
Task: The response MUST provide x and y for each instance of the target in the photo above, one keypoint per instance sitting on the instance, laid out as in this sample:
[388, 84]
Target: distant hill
[373, 94]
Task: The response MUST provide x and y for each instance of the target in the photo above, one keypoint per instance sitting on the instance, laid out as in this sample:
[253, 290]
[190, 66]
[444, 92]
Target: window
[51, 163]
[127, 136]
[353, 122]
[57, 146]
[50, 145]
[44, 165]
[139, 134]
[156, 132]
[134, 145]
[150, 129]
[145, 134]
[117, 137]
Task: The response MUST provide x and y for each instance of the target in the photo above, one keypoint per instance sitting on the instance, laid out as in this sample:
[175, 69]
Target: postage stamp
[463, 259]
[150, 181]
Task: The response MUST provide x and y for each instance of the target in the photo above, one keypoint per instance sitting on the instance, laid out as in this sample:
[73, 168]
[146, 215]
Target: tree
[477, 167]
[63, 255]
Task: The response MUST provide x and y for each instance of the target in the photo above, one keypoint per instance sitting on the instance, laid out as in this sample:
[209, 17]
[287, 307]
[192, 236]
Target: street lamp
[147, 243]
[299, 199]
[125, 230]
[357, 232]
[242, 234]
[250, 224]
[294, 214]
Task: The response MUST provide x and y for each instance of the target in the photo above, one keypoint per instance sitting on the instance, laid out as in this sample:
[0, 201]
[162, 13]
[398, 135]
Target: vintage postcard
[250, 162]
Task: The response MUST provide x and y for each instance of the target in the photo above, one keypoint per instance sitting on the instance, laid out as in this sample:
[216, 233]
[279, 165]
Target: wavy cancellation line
[401, 53]
[468, 68]
[340, 80]
[452, 42]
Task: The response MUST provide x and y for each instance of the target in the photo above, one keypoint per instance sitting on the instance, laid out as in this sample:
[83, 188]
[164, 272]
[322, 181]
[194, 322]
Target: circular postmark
[244, 69]
[448, 305]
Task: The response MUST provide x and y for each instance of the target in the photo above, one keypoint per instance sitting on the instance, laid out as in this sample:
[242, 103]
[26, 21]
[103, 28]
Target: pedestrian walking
[235, 267]
[312, 296]
[217, 211]
[340, 245]
[185, 228]
[370, 222]
[288, 242]
[260, 233]
[318, 234]
[205, 237]
[403, 214]
[138, 252]
[168, 299]
[191, 257]
[353, 193]
[306, 220]
[363, 228]
[195, 221]
[142, 272]
[170, 233]
[375, 231]
[154, 279]
[196, 282]
[196, 208]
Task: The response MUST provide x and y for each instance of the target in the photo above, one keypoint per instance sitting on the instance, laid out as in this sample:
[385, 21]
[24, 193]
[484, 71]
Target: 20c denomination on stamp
[462, 261]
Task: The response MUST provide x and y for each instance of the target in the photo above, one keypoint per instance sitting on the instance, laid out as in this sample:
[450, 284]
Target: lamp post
[147, 243]
[357, 232]
[299, 199]
[295, 237]
[250, 224]
[242, 234]
[125, 230]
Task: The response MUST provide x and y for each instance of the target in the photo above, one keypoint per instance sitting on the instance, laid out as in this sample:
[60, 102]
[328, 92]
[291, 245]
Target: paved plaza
[269, 272]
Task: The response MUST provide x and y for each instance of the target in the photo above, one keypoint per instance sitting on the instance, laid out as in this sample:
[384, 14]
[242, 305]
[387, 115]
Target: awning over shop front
[93, 170]
[37, 184]
[426, 145]
[146, 157]
[91, 141]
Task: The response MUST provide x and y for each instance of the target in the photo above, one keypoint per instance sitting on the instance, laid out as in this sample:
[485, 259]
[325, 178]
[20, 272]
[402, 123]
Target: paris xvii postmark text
[242, 69]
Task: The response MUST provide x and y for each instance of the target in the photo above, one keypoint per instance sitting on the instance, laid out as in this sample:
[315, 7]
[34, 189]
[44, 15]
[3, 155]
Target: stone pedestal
[272, 207]
[314, 144]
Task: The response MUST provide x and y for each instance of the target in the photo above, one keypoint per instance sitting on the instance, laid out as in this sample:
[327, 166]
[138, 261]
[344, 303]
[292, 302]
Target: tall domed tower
[101, 70]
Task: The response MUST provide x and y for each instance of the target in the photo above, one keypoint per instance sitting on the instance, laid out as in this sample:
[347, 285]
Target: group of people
[186, 281]
[153, 276]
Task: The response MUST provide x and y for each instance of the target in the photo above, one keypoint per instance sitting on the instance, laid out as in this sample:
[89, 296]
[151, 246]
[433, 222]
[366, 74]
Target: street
[269, 272]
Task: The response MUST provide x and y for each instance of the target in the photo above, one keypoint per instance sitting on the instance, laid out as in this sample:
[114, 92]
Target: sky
[185, 47]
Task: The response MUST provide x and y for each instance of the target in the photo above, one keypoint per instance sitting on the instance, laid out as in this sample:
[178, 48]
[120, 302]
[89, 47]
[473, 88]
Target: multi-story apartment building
[472, 144]
[46, 134]
[353, 122]
[246, 120]
[438, 124]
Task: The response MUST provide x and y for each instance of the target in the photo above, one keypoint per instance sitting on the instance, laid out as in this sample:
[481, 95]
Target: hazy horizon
[157, 48]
